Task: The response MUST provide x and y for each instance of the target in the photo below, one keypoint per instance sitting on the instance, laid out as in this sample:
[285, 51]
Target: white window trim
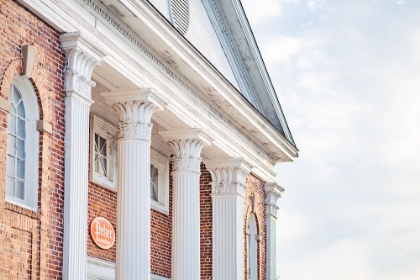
[31, 145]
[109, 132]
[161, 163]
[98, 269]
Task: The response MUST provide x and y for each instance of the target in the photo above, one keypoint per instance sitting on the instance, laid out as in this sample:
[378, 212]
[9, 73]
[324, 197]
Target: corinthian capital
[135, 109]
[83, 55]
[186, 146]
[273, 192]
[228, 176]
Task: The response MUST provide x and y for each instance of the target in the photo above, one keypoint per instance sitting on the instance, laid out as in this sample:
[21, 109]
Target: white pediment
[220, 31]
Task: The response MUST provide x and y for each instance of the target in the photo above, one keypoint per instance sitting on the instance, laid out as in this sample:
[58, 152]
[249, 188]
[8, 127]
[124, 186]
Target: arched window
[252, 248]
[22, 145]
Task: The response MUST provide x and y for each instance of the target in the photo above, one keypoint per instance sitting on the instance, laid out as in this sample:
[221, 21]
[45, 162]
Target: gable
[220, 30]
[201, 34]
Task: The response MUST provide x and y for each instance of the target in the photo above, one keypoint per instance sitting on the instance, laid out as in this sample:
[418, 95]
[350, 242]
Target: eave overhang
[160, 35]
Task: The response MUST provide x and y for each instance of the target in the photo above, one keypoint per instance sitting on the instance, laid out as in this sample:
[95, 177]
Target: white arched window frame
[22, 145]
[252, 247]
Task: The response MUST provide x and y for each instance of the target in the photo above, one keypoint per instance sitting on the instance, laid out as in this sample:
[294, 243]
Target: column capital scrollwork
[228, 176]
[135, 108]
[186, 146]
[83, 55]
[273, 192]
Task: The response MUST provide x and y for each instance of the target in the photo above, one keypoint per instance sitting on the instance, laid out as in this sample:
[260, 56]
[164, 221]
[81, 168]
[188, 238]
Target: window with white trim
[103, 169]
[159, 181]
[22, 145]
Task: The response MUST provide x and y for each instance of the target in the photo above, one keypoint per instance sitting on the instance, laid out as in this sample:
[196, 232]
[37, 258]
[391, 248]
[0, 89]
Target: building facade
[138, 140]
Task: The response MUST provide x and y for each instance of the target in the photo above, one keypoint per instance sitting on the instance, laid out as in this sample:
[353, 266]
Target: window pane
[11, 124]
[21, 169]
[21, 149]
[10, 168]
[11, 142]
[102, 166]
[154, 183]
[102, 146]
[96, 163]
[96, 142]
[21, 110]
[101, 159]
[20, 190]
[15, 95]
[21, 128]
[10, 186]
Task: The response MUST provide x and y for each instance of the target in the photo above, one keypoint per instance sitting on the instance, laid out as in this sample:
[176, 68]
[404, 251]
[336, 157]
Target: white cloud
[349, 86]
[279, 49]
[315, 4]
[264, 10]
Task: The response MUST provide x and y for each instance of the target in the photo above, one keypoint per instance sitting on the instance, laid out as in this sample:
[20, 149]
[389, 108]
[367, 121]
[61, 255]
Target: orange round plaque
[102, 233]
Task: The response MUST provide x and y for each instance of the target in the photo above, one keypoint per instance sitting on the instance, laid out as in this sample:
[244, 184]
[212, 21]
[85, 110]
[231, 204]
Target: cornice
[126, 35]
[223, 33]
[130, 37]
[261, 66]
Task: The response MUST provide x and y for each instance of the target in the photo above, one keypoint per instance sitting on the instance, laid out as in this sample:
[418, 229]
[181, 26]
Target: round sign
[102, 233]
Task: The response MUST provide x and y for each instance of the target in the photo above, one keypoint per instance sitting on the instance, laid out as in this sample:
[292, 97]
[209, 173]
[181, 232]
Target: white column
[135, 109]
[82, 57]
[273, 192]
[228, 188]
[186, 146]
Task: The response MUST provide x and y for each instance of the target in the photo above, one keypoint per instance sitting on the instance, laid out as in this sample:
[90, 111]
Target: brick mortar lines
[33, 238]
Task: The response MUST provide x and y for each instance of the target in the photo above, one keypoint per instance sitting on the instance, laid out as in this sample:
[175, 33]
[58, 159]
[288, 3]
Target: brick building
[158, 116]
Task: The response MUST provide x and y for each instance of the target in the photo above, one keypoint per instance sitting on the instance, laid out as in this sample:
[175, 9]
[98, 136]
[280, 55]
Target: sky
[347, 74]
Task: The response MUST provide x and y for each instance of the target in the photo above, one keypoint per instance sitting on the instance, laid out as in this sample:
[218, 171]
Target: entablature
[205, 100]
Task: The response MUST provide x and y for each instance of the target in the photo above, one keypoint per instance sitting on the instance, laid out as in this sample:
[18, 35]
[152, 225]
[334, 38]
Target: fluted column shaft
[186, 146]
[82, 56]
[228, 187]
[133, 209]
[273, 193]
[135, 108]
[186, 225]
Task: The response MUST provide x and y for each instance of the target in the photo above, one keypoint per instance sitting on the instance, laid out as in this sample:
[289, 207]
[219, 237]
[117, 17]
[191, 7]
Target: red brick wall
[255, 187]
[34, 239]
[103, 203]
[206, 225]
[161, 238]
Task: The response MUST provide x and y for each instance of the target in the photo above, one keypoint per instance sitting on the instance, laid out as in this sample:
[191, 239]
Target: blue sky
[348, 77]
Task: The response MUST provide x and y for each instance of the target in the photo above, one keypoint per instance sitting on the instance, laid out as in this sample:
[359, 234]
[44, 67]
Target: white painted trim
[109, 132]
[231, 52]
[30, 102]
[262, 146]
[259, 62]
[161, 162]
